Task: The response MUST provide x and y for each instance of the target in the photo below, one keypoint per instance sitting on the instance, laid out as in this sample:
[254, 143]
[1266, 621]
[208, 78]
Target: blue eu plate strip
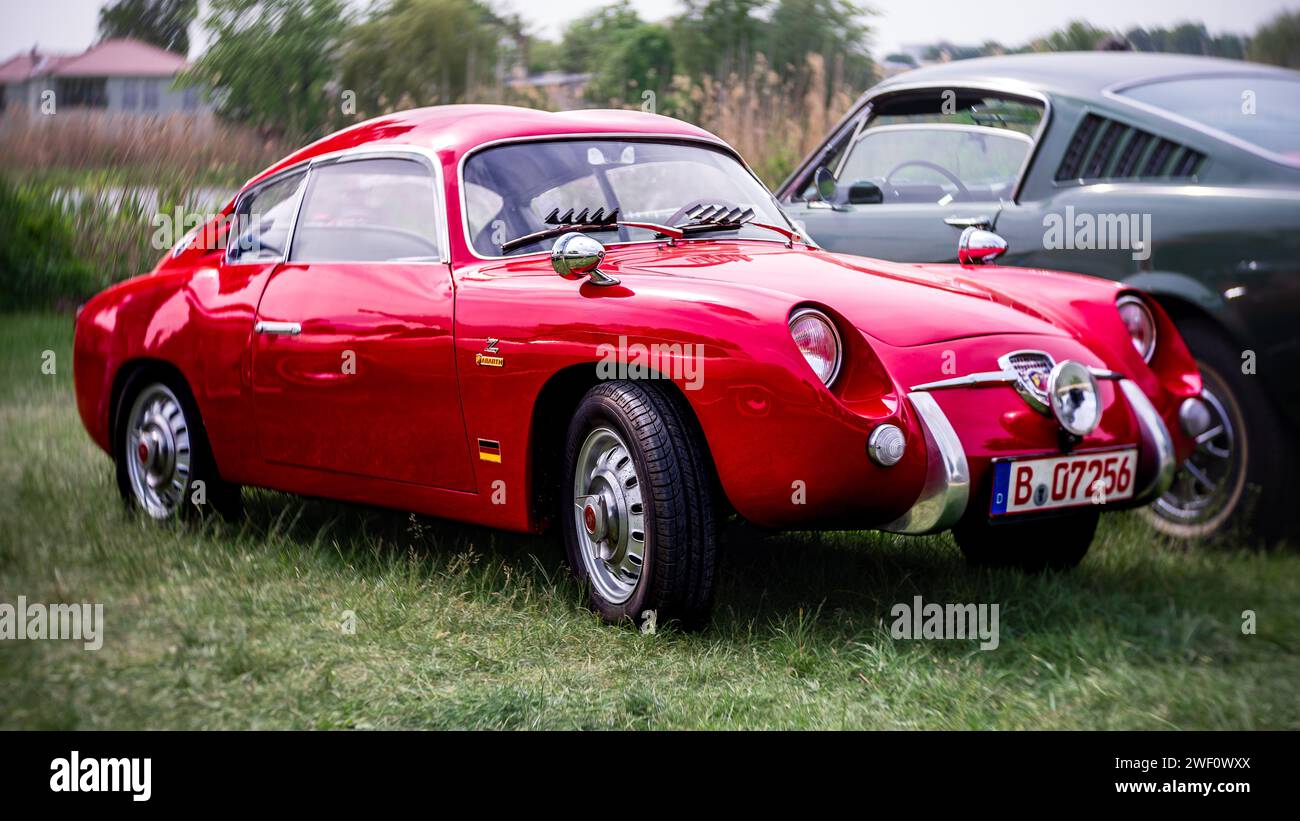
[1001, 484]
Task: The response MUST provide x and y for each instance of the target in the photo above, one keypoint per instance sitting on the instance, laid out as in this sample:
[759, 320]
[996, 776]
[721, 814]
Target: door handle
[278, 328]
[968, 222]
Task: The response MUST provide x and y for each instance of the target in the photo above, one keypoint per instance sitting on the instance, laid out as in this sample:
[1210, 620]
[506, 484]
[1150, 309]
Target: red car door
[353, 356]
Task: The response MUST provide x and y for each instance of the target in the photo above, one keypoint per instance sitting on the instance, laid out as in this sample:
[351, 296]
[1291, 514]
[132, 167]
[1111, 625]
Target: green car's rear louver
[1106, 149]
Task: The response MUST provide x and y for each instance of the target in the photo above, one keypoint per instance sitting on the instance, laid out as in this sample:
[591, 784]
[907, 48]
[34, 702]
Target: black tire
[678, 570]
[1252, 502]
[1033, 545]
[221, 497]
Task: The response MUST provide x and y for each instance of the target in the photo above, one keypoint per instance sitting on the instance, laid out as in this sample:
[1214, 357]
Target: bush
[39, 264]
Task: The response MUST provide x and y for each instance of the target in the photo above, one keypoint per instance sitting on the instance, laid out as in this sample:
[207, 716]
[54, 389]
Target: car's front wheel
[639, 516]
[1237, 480]
[1034, 545]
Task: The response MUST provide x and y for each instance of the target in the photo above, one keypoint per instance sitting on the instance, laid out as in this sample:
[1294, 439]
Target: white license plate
[1021, 486]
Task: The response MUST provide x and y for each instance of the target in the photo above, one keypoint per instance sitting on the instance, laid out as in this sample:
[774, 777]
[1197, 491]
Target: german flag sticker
[489, 450]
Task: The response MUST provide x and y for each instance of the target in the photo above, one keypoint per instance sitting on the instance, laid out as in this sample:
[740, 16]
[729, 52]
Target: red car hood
[901, 305]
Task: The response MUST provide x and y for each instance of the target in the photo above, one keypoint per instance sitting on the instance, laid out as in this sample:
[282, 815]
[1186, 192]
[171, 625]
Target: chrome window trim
[301, 167]
[1115, 93]
[359, 155]
[853, 139]
[360, 152]
[979, 129]
[872, 96]
[606, 135]
[946, 492]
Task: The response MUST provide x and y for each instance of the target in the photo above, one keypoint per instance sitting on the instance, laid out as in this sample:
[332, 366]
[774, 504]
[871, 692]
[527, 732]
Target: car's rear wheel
[164, 467]
[1235, 482]
[1034, 545]
[639, 519]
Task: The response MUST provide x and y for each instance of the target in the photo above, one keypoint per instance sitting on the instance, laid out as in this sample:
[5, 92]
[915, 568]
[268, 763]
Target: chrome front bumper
[946, 492]
[1156, 458]
[947, 477]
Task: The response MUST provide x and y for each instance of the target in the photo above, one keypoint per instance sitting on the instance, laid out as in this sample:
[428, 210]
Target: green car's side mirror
[865, 192]
[824, 182]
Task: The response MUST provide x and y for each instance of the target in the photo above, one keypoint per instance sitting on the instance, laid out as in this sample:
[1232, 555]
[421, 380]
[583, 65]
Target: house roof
[122, 58]
[117, 57]
[30, 64]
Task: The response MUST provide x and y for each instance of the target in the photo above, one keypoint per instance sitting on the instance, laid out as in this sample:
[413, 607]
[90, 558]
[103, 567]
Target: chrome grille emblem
[1032, 368]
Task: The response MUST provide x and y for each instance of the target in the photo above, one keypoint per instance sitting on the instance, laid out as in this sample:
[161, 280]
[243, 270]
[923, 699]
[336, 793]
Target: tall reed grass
[138, 150]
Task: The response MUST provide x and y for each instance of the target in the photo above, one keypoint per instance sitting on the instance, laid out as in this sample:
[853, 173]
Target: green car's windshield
[1263, 111]
[510, 190]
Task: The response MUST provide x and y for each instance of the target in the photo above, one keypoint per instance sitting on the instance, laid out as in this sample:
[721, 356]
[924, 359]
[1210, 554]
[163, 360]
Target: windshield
[510, 190]
[934, 163]
[1263, 111]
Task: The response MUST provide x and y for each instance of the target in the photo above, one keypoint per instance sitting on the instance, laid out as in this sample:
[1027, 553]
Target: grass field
[224, 626]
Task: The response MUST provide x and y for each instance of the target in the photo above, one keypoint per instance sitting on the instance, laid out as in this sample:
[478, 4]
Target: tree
[590, 39]
[1077, 36]
[1187, 38]
[641, 60]
[720, 37]
[1277, 41]
[164, 23]
[831, 28]
[270, 62]
[424, 52]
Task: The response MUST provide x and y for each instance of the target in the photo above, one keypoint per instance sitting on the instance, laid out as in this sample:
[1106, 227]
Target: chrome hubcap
[158, 436]
[1209, 483]
[610, 515]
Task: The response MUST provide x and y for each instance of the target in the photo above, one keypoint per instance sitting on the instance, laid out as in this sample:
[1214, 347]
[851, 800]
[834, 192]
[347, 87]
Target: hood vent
[1106, 149]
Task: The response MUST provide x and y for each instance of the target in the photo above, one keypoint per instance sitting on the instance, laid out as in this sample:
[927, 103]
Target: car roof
[1073, 73]
[454, 130]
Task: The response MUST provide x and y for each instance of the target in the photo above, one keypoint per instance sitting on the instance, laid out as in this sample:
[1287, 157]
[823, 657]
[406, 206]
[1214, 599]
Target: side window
[380, 210]
[937, 146]
[261, 221]
[937, 163]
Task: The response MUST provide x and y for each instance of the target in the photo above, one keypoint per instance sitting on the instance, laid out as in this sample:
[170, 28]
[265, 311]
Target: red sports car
[509, 317]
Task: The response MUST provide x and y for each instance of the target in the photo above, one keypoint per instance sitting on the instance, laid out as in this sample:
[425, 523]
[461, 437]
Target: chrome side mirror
[977, 246]
[824, 182]
[575, 254]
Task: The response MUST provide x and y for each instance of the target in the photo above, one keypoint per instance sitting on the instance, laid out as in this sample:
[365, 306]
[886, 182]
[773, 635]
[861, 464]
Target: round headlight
[1141, 326]
[1072, 391]
[818, 341]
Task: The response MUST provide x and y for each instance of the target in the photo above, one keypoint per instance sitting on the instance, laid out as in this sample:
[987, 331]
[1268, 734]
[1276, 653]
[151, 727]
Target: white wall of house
[134, 95]
[152, 95]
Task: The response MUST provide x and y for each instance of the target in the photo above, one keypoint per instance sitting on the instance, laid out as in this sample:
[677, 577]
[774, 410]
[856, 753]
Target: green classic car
[1177, 175]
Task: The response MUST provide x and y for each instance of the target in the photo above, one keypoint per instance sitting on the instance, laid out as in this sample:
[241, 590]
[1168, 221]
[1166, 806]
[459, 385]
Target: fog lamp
[886, 445]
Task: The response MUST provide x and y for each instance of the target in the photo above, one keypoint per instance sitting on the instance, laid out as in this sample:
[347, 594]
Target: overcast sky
[69, 25]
